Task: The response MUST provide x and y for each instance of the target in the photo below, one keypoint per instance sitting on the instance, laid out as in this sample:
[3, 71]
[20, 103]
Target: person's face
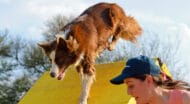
[140, 90]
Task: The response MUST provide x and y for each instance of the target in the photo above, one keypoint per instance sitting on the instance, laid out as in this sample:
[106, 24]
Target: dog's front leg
[87, 81]
[114, 40]
[113, 43]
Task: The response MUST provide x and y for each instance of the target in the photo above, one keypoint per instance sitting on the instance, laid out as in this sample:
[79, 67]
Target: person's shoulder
[186, 97]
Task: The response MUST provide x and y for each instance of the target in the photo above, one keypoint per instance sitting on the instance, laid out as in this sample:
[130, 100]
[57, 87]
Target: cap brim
[119, 79]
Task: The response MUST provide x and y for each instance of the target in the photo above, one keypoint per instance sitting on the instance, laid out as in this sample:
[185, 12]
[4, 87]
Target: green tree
[11, 50]
[34, 60]
[5, 50]
[54, 26]
[11, 93]
[4, 47]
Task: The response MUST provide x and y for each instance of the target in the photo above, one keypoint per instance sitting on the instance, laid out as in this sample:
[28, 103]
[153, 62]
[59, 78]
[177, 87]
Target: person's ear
[149, 79]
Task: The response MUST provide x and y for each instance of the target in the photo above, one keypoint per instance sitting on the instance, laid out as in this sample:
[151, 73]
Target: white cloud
[185, 49]
[185, 34]
[48, 8]
[28, 17]
[149, 20]
[34, 33]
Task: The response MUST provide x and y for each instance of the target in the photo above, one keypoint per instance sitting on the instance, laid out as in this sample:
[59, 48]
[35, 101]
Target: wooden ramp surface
[67, 91]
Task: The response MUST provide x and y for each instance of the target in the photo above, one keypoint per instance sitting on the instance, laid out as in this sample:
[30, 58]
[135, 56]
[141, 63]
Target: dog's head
[62, 53]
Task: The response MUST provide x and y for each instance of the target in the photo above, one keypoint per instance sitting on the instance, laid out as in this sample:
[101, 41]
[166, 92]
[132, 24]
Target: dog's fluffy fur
[86, 37]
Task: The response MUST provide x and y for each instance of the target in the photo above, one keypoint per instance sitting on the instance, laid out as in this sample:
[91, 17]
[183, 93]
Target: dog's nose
[53, 74]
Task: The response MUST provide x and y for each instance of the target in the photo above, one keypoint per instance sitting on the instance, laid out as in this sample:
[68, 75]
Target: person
[145, 83]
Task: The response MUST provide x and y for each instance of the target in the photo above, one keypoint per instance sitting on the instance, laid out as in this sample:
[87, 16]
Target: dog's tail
[131, 29]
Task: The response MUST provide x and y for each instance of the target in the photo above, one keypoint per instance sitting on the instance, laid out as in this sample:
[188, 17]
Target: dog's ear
[60, 36]
[61, 43]
[44, 45]
[47, 47]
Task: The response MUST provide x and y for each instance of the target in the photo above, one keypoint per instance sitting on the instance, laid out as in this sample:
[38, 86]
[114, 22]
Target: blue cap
[137, 66]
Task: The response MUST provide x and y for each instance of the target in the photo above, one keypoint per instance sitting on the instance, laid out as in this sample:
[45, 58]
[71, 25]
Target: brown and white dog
[85, 38]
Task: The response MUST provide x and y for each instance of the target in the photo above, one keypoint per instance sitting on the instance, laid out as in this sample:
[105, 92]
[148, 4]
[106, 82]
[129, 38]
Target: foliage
[11, 50]
[54, 26]
[5, 53]
[34, 60]
[4, 47]
[11, 93]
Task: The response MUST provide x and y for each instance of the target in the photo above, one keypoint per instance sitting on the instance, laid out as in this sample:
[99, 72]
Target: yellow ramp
[67, 91]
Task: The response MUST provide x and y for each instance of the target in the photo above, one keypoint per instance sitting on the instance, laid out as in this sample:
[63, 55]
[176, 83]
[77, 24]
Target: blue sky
[26, 18]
